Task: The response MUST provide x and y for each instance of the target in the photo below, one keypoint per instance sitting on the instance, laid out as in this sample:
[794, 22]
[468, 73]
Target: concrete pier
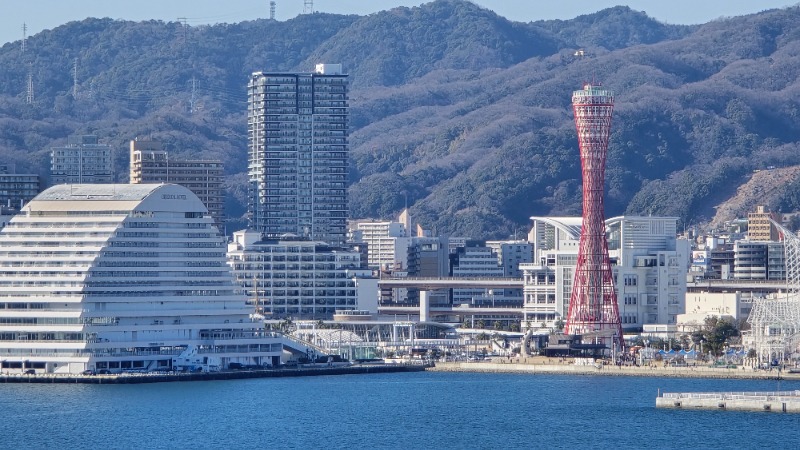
[781, 401]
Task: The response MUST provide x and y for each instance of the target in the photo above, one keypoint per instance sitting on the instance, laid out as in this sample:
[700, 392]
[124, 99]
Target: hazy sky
[48, 14]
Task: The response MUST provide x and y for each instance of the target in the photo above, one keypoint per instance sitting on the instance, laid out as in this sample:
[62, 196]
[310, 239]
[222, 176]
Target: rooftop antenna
[308, 6]
[271, 10]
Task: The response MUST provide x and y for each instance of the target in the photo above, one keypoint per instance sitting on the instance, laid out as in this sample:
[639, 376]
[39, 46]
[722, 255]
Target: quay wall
[609, 370]
[208, 376]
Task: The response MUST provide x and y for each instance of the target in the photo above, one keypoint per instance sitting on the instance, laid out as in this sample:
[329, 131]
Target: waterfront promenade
[538, 365]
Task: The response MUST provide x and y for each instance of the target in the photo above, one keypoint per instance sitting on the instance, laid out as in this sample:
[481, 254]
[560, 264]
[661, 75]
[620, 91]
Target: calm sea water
[395, 411]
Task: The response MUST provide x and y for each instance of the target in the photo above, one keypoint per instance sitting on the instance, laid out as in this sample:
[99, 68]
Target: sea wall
[608, 370]
[208, 376]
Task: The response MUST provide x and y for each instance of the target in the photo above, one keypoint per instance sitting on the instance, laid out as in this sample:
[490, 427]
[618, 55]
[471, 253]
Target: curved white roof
[569, 225]
[113, 192]
[116, 197]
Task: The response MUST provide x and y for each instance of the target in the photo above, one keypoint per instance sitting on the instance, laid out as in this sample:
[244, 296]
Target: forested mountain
[460, 113]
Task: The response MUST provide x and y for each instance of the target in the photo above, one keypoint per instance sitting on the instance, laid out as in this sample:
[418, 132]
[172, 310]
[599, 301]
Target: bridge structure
[427, 284]
[775, 320]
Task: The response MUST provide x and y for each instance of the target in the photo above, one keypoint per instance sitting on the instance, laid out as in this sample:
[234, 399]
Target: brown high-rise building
[151, 164]
[759, 225]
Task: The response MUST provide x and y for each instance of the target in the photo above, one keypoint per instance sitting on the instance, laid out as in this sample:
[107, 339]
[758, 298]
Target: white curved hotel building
[118, 277]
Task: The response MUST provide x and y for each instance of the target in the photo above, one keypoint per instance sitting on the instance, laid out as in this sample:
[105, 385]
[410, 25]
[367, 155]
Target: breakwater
[208, 376]
[609, 370]
[784, 401]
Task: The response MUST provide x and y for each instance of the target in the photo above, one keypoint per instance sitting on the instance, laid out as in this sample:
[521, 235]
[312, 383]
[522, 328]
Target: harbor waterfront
[395, 410]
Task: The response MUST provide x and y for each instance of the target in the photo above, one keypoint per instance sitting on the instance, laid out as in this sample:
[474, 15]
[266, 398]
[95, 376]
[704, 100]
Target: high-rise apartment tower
[298, 154]
[593, 310]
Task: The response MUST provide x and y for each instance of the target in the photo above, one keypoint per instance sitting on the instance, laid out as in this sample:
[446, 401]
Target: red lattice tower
[593, 309]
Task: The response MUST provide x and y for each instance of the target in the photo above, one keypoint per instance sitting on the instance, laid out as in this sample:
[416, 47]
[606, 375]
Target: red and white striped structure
[593, 309]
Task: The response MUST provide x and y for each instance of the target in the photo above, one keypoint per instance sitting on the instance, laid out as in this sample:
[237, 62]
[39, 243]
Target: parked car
[30, 372]
[88, 372]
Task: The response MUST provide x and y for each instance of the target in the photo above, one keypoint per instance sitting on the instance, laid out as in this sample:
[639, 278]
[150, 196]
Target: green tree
[715, 334]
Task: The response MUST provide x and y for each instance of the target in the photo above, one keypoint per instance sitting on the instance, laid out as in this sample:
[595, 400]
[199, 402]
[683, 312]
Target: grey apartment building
[82, 161]
[298, 153]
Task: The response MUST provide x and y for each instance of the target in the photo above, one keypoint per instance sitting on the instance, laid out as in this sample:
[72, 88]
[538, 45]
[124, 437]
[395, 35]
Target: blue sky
[46, 14]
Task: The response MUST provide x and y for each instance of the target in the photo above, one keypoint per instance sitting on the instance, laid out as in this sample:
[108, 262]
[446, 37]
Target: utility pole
[271, 10]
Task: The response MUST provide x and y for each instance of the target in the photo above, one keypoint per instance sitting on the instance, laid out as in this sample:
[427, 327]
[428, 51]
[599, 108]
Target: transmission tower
[24, 35]
[194, 91]
[308, 6]
[593, 309]
[271, 10]
[184, 27]
[75, 78]
[29, 96]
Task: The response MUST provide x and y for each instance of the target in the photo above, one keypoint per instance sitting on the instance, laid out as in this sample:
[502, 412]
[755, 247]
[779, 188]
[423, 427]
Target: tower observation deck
[593, 309]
